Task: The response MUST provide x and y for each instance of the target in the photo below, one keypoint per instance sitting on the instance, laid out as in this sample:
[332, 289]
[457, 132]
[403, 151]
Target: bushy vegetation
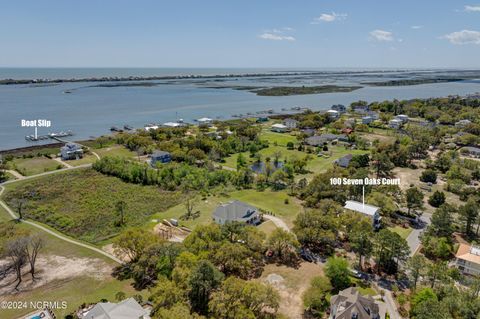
[83, 203]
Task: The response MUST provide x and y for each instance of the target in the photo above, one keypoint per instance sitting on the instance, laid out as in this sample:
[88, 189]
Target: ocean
[89, 109]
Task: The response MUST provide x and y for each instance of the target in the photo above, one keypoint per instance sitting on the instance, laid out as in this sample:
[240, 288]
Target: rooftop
[468, 253]
[361, 208]
[126, 309]
[235, 211]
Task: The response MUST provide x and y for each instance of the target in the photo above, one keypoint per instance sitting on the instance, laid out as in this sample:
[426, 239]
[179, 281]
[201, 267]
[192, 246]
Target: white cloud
[416, 27]
[463, 37]
[329, 17]
[276, 36]
[475, 8]
[381, 35]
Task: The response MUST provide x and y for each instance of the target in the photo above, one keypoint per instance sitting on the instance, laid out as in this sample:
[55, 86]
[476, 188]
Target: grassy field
[33, 166]
[267, 200]
[81, 203]
[270, 201]
[315, 165]
[267, 227]
[87, 159]
[115, 150]
[280, 139]
[403, 232]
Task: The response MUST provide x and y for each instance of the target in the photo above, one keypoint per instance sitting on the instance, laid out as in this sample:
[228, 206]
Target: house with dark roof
[126, 309]
[340, 108]
[160, 157]
[71, 151]
[350, 304]
[344, 161]
[236, 211]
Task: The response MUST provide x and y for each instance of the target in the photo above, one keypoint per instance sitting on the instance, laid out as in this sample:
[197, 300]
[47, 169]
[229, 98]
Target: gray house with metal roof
[236, 211]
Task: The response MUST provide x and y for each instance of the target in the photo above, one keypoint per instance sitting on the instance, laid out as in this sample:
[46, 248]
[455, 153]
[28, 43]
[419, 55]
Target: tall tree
[468, 215]
[204, 279]
[416, 268]
[338, 272]
[33, 247]
[413, 198]
[283, 243]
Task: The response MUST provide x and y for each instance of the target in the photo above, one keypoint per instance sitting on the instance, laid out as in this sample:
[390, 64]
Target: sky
[239, 34]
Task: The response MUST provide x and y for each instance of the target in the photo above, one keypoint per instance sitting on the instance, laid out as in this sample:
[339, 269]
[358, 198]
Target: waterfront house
[370, 211]
[367, 119]
[290, 123]
[467, 259]
[361, 109]
[173, 124]
[340, 108]
[279, 128]
[463, 123]
[236, 211]
[160, 157]
[126, 309]
[333, 114]
[71, 151]
[344, 161]
[151, 127]
[204, 121]
[350, 304]
[402, 117]
[395, 123]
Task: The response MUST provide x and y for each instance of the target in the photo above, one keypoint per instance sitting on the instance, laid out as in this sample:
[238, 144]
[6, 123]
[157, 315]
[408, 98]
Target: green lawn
[316, 164]
[33, 166]
[267, 200]
[115, 150]
[87, 159]
[280, 138]
[267, 227]
[403, 232]
[81, 203]
[271, 201]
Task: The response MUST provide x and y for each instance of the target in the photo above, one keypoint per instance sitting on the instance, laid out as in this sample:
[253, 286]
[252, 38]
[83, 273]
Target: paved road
[391, 306]
[413, 239]
[277, 221]
[53, 233]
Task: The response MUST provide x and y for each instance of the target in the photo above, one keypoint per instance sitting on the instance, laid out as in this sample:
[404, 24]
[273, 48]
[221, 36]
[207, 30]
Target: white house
[402, 117]
[395, 123]
[204, 120]
[373, 212]
[463, 123]
[173, 124]
[279, 128]
[333, 114]
[290, 123]
[467, 259]
[151, 127]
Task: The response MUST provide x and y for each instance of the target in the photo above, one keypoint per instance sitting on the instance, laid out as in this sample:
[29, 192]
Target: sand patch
[51, 268]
